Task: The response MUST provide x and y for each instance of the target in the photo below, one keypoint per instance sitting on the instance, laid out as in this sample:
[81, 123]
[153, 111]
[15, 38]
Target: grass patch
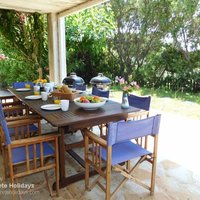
[184, 96]
[185, 104]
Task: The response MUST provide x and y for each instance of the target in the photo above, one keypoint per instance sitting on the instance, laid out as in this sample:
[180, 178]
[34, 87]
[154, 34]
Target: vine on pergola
[27, 32]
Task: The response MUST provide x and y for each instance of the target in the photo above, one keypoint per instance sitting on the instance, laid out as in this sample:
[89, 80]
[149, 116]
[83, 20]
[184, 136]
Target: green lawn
[166, 101]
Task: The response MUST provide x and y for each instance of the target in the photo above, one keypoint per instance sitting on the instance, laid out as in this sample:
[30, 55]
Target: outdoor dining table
[74, 119]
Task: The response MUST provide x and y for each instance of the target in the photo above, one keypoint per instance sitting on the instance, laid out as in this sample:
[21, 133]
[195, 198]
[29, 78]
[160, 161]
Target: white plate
[23, 89]
[51, 107]
[89, 106]
[33, 97]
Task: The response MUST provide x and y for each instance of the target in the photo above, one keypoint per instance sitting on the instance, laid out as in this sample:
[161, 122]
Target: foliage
[86, 38]
[140, 27]
[27, 34]
[14, 67]
[184, 29]
[155, 43]
[168, 67]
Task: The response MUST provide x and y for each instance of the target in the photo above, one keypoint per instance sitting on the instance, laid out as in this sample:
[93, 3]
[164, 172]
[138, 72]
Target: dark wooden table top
[76, 117]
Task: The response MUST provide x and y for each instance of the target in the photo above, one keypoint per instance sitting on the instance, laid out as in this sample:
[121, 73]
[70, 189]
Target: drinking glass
[44, 96]
[64, 104]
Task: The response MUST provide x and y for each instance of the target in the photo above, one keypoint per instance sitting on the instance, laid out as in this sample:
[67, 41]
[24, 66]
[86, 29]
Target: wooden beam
[80, 7]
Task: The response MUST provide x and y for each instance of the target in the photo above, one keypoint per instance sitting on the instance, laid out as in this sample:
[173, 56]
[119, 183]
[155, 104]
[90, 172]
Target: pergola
[56, 11]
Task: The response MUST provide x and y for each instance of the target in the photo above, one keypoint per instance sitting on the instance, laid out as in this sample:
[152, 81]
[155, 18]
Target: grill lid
[100, 79]
[73, 79]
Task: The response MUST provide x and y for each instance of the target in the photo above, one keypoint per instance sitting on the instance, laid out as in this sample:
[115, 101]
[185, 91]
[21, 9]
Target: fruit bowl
[89, 102]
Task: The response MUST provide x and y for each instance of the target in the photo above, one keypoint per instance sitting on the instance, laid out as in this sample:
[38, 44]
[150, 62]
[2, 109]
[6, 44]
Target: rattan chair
[116, 152]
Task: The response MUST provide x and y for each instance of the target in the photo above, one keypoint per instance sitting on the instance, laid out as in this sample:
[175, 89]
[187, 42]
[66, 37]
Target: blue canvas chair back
[139, 101]
[100, 93]
[1, 112]
[125, 131]
[4, 125]
[80, 87]
[21, 84]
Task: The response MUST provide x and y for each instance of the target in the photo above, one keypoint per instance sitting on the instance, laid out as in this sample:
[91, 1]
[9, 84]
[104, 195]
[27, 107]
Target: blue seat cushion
[19, 153]
[125, 151]
[32, 128]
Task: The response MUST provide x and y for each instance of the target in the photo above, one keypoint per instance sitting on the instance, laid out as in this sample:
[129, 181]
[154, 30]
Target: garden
[155, 44]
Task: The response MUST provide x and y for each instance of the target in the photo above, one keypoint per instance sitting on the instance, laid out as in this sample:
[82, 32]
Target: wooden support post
[56, 48]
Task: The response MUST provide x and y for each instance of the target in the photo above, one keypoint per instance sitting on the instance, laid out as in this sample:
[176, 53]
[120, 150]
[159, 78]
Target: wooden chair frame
[13, 112]
[144, 105]
[93, 158]
[15, 109]
[43, 166]
[13, 103]
[97, 91]
[19, 133]
[31, 164]
[131, 116]
[142, 141]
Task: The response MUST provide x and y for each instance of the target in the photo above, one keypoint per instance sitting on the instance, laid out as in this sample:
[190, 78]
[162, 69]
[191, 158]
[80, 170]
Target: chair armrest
[95, 138]
[22, 122]
[23, 117]
[34, 140]
[16, 107]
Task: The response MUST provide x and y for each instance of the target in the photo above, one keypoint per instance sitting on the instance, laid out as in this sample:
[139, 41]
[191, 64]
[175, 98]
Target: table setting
[60, 97]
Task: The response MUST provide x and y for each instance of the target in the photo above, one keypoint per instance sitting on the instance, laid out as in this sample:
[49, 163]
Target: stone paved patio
[178, 169]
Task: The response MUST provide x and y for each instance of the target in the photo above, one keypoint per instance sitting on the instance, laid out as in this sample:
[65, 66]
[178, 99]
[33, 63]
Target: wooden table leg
[67, 180]
[61, 143]
[61, 153]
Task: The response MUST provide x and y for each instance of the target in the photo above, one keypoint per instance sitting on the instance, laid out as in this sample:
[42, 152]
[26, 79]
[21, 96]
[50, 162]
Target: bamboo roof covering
[62, 7]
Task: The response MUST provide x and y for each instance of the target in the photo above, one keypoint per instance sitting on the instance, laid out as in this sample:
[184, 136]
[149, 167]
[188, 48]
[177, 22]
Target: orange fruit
[82, 98]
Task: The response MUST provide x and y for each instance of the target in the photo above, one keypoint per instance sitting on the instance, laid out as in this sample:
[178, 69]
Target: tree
[86, 42]
[184, 29]
[141, 24]
[176, 63]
